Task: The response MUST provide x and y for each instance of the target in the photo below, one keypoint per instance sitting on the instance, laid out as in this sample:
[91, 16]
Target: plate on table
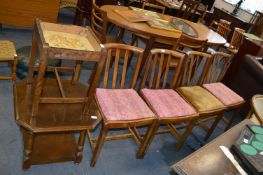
[184, 27]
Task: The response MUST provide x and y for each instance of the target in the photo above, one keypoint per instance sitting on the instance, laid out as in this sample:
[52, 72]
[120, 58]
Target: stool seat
[7, 51]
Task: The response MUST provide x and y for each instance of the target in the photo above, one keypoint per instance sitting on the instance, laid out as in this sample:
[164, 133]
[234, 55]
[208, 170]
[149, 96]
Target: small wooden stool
[8, 54]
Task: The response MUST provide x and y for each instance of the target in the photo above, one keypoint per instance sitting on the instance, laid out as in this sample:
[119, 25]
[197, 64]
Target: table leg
[147, 50]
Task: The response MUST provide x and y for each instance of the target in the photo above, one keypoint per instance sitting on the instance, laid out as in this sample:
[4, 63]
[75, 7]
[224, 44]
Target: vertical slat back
[195, 68]
[119, 58]
[99, 22]
[220, 63]
[153, 7]
[237, 38]
[192, 43]
[188, 9]
[159, 73]
[223, 30]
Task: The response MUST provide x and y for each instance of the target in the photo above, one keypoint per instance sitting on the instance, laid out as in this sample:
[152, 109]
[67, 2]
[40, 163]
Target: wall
[229, 7]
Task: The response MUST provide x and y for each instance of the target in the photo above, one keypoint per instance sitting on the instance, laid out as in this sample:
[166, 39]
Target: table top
[144, 29]
[210, 159]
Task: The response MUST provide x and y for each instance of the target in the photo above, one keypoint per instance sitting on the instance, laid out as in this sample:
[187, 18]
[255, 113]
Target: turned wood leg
[187, 132]
[210, 131]
[147, 139]
[28, 149]
[80, 146]
[99, 144]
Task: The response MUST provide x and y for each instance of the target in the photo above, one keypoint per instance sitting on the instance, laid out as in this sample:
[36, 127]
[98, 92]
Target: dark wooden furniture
[257, 23]
[83, 11]
[8, 54]
[153, 7]
[235, 21]
[249, 46]
[210, 159]
[188, 9]
[22, 13]
[118, 103]
[50, 110]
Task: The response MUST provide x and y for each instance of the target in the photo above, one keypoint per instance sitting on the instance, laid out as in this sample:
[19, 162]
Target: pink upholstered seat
[167, 103]
[224, 94]
[122, 104]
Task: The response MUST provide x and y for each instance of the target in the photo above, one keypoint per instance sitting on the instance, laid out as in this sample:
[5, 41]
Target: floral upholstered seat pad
[167, 103]
[122, 104]
[202, 100]
[223, 93]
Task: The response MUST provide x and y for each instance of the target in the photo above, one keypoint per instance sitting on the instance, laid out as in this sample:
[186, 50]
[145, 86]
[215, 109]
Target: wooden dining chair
[223, 30]
[202, 10]
[213, 25]
[256, 113]
[158, 91]
[236, 41]
[212, 83]
[99, 24]
[186, 41]
[8, 55]
[118, 103]
[153, 7]
[193, 74]
[188, 9]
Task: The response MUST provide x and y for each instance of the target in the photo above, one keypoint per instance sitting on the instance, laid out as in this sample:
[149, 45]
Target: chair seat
[201, 99]
[7, 50]
[167, 103]
[224, 94]
[122, 104]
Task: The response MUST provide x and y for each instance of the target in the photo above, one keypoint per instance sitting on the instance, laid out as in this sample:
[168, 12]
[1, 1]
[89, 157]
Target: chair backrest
[121, 78]
[217, 69]
[188, 9]
[99, 22]
[158, 71]
[223, 30]
[256, 111]
[153, 7]
[237, 38]
[192, 43]
[225, 23]
[195, 68]
[202, 9]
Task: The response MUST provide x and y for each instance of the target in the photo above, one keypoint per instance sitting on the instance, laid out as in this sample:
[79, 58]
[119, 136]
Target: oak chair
[202, 10]
[153, 7]
[99, 25]
[223, 30]
[236, 41]
[193, 74]
[119, 104]
[8, 55]
[188, 9]
[224, 22]
[256, 112]
[158, 91]
[50, 110]
[233, 102]
[186, 41]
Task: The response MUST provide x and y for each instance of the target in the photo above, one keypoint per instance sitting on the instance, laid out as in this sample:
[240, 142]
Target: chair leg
[187, 132]
[134, 39]
[217, 120]
[28, 149]
[147, 140]
[79, 153]
[99, 144]
[14, 67]
[233, 117]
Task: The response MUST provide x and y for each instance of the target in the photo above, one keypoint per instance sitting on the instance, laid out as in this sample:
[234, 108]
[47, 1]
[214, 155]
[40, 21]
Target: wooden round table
[144, 29]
